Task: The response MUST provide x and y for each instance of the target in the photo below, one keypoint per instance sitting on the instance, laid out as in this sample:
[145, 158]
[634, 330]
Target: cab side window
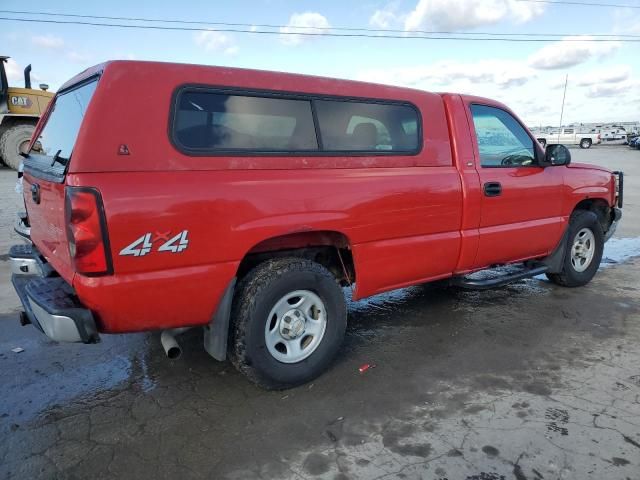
[217, 122]
[206, 121]
[502, 141]
[367, 127]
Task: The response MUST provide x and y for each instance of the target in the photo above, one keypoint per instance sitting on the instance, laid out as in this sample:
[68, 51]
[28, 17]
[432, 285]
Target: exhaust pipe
[169, 343]
[27, 76]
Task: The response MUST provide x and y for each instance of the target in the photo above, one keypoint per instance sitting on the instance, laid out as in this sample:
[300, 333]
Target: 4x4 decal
[144, 245]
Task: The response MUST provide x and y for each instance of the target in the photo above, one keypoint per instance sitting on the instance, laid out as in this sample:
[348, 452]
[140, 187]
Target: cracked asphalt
[532, 381]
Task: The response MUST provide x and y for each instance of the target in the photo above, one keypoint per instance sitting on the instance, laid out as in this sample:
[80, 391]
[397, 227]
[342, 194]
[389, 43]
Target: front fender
[587, 184]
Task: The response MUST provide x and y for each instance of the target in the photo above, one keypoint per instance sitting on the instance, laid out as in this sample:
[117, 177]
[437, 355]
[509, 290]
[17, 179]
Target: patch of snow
[618, 250]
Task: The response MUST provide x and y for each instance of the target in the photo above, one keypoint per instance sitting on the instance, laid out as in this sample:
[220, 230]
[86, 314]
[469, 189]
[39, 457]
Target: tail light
[87, 231]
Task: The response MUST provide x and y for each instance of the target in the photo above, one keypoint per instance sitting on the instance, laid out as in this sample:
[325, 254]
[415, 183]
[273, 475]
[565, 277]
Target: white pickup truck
[569, 136]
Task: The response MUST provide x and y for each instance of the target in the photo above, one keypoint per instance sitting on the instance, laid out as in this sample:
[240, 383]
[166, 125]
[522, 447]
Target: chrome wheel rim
[583, 250]
[295, 326]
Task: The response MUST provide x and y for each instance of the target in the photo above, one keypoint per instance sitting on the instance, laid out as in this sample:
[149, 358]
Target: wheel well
[598, 206]
[330, 249]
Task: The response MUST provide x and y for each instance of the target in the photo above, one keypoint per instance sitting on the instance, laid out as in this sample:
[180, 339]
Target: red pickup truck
[164, 196]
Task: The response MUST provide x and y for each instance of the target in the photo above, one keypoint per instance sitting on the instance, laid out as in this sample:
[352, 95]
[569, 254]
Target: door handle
[492, 189]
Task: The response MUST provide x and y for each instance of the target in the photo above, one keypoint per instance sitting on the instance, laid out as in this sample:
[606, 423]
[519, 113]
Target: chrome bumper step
[50, 303]
[23, 260]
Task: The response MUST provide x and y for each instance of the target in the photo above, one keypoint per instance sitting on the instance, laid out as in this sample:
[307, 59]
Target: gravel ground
[532, 381]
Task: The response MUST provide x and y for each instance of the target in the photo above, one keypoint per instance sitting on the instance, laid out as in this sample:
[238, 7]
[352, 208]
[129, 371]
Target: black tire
[542, 142]
[569, 277]
[10, 142]
[585, 143]
[255, 297]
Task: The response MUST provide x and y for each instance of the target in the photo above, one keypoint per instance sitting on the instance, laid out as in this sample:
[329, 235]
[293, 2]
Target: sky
[603, 77]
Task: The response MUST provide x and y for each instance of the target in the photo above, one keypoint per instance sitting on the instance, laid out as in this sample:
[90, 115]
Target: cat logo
[21, 101]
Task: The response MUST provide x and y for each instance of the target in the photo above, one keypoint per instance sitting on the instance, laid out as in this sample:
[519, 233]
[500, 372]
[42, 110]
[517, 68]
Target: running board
[499, 281]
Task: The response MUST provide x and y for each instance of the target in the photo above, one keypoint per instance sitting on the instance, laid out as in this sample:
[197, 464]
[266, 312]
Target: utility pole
[564, 95]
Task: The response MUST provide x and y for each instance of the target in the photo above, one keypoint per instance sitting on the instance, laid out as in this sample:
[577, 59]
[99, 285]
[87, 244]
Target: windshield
[58, 136]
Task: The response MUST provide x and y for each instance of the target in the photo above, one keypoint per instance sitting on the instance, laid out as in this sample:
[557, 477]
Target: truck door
[568, 137]
[521, 201]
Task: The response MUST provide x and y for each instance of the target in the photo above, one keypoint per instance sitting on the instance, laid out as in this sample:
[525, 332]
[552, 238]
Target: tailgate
[45, 170]
[47, 222]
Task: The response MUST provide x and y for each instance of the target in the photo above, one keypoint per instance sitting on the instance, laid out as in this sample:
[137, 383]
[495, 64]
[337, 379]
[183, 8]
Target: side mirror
[557, 155]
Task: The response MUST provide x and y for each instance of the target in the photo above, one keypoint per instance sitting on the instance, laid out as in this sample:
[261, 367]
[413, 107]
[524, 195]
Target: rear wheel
[14, 140]
[583, 251]
[585, 143]
[289, 318]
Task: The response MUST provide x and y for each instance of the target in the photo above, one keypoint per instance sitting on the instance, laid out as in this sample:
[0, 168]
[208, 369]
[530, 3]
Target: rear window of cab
[208, 122]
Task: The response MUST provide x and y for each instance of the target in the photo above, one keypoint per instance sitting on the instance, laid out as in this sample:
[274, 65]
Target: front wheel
[583, 251]
[585, 143]
[289, 319]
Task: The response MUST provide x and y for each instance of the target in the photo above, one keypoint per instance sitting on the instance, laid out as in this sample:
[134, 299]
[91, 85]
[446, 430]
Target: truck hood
[588, 166]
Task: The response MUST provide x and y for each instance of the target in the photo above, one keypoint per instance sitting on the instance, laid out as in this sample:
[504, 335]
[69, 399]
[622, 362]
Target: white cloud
[311, 22]
[15, 73]
[461, 14]
[610, 89]
[450, 74]
[626, 21]
[556, 82]
[48, 41]
[382, 18]
[610, 75]
[77, 57]
[568, 52]
[233, 50]
[213, 41]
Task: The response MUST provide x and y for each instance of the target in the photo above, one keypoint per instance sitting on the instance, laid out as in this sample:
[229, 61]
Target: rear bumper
[49, 302]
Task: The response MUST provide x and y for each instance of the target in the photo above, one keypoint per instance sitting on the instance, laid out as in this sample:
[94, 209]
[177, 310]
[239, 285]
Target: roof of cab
[89, 72]
[251, 78]
[484, 101]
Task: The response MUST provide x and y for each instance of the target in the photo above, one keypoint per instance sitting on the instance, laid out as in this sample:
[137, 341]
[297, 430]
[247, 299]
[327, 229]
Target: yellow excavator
[20, 109]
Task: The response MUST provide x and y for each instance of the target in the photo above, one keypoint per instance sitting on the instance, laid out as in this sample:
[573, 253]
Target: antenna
[566, 79]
